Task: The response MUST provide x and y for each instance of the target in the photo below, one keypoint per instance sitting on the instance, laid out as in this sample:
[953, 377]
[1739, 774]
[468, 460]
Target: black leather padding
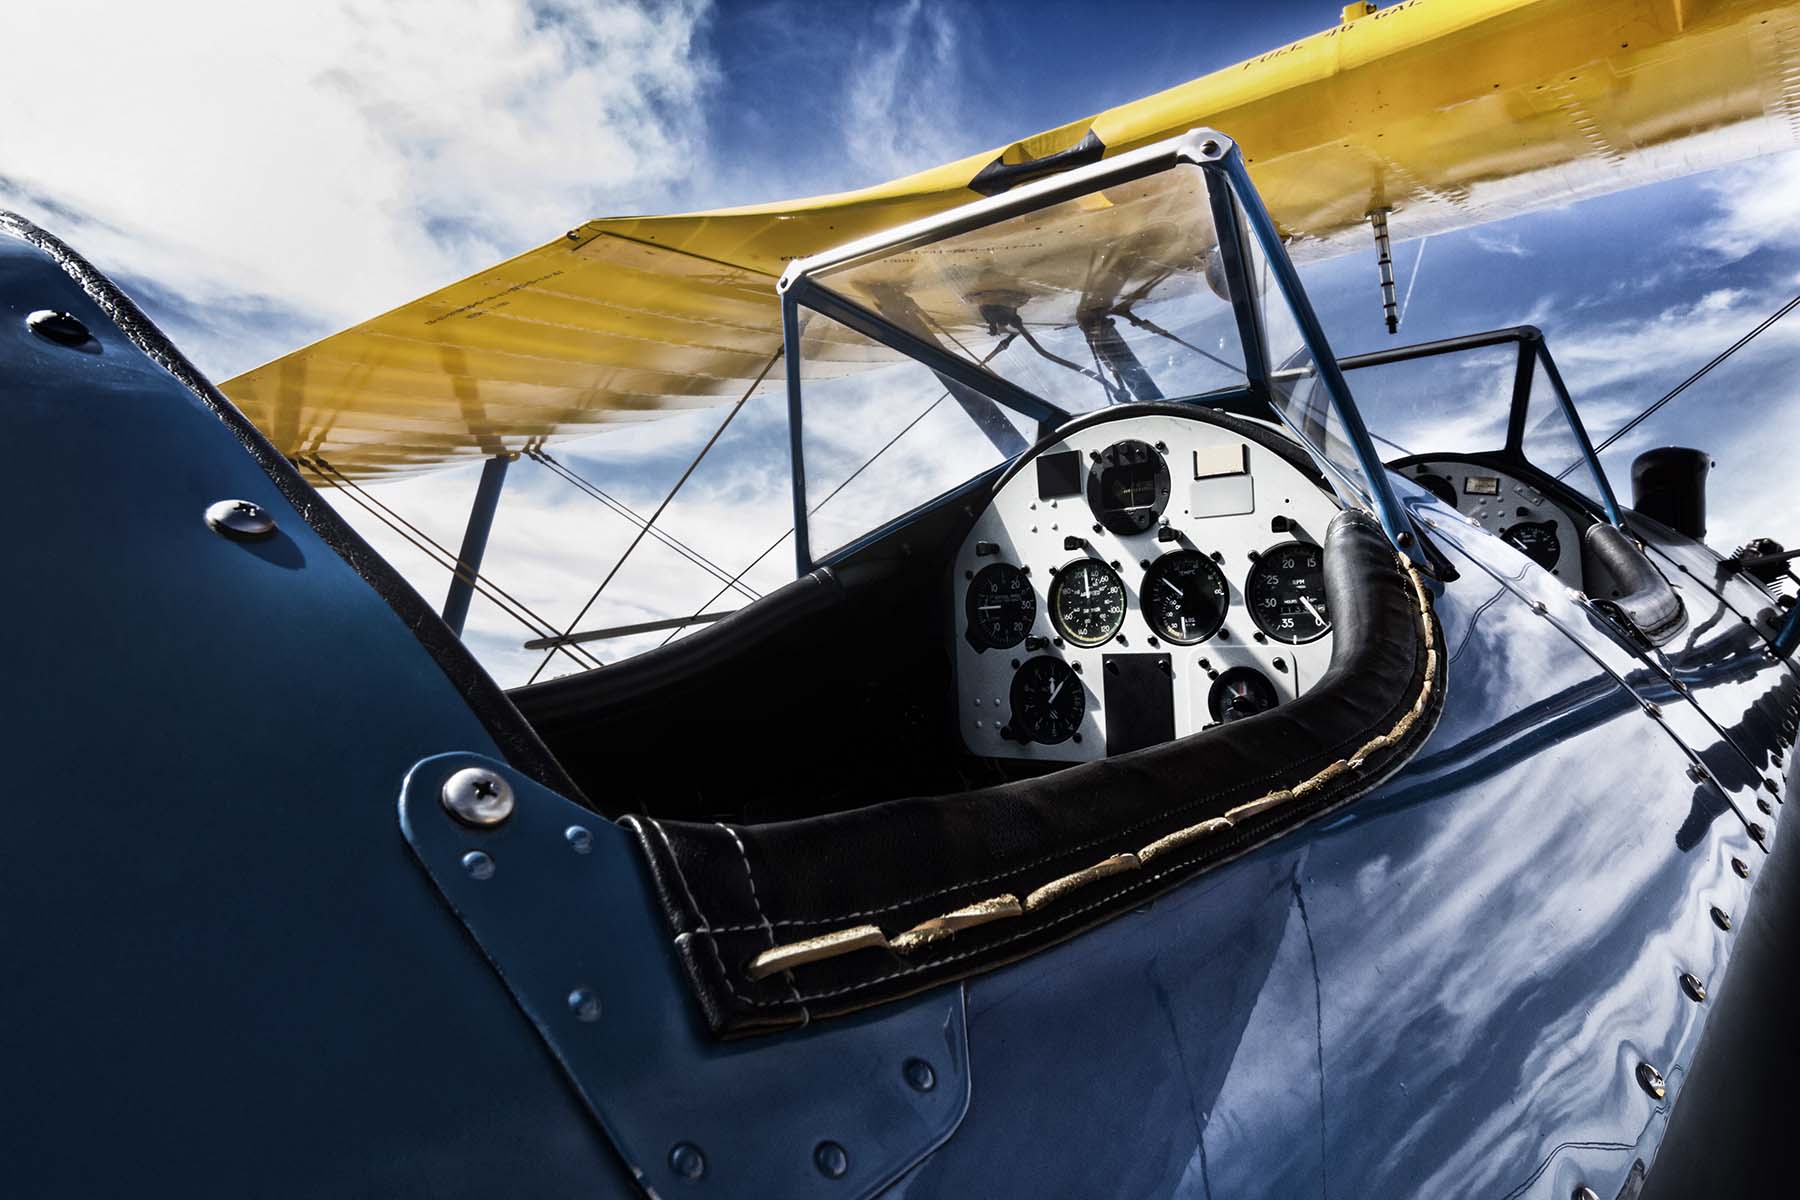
[732, 892]
[1646, 601]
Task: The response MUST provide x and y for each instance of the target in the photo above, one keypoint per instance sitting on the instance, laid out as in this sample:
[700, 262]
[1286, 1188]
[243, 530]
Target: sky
[260, 175]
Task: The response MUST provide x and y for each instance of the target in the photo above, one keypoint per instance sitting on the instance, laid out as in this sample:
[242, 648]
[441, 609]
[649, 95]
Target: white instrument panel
[1049, 668]
[1520, 514]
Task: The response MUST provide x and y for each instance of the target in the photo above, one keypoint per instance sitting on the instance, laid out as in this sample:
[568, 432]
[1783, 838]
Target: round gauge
[1537, 539]
[1128, 486]
[1047, 701]
[1001, 606]
[1286, 593]
[1241, 692]
[1185, 597]
[1087, 602]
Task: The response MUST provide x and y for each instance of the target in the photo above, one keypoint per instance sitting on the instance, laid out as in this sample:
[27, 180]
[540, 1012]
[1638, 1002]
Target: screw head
[919, 1075]
[1741, 867]
[1651, 1080]
[1721, 918]
[579, 839]
[477, 796]
[1690, 983]
[58, 327]
[244, 520]
[478, 865]
[1584, 1192]
[831, 1160]
[585, 1005]
[1767, 808]
[1756, 832]
[687, 1161]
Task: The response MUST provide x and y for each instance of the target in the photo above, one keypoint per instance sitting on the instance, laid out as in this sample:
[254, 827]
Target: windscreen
[1116, 295]
[1452, 402]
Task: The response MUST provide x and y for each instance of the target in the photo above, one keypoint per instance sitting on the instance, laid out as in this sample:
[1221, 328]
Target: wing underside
[1448, 113]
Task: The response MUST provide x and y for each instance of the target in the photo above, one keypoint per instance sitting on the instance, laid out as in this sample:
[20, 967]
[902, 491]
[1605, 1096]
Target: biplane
[1185, 762]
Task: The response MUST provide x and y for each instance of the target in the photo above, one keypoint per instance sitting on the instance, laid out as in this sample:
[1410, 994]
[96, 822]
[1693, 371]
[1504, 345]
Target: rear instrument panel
[1141, 580]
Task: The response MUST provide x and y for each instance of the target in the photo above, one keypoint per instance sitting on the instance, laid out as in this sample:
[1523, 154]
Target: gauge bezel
[1017, 722]
[1154, 574]
[1250, 592]
[1056, 617]
[1127, 522]
[1546, 527]
[978, 635]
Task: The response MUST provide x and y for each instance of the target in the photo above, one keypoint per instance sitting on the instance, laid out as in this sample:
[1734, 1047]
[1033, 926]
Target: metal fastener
[579, 839]
[1756, 833]
[919, 1075]
[1767, 808]
[687, 1161]
[58, 327]
[1741, 867]
[1652, 1080]
[585, 1005]
[1770, 785]
[1721, 918]
[831, 1160]
[1690, 983]
[477, 796]
[478, 865]
[1653, 708]
[1696, 772]
[1584, 1192]
[244, 520]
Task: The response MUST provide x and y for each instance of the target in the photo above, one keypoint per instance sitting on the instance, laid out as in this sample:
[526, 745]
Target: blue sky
[291, 168]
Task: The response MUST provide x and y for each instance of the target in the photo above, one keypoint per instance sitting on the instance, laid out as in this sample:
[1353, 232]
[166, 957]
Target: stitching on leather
[1134, 884]
[756, 903]
[1327, 754]
[712, 942]
[1409, 723]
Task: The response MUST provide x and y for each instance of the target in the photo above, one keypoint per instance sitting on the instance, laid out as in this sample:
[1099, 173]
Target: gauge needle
[1313, 609]
[1087, 586]
[988, 607]
[1055, 691]
[1170, 584]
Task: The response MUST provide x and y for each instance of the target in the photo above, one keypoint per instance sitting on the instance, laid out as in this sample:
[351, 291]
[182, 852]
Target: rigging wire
[1406, 301]
[1683, 386]
[431, 548]
[685, 475]
[569, 475]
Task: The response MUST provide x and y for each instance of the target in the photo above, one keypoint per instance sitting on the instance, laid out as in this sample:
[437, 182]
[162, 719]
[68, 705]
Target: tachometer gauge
[1537, 539]
[1185, 597]
[1047, 701]
[1087, 602]
[1001, 606]
[1286, 593]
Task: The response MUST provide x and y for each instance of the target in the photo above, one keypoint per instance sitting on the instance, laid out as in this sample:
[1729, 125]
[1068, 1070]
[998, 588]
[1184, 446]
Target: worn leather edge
[732, 893]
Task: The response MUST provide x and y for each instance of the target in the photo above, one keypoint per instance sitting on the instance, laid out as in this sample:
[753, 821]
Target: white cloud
[342, 157]
[903, 102]
[1756, 207]
[1501, 243]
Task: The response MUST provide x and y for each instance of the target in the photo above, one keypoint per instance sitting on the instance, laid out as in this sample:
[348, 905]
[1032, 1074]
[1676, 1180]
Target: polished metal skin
[235, 968]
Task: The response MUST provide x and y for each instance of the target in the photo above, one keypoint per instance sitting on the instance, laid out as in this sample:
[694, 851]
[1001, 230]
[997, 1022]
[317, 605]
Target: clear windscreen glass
[882, 434]
[1082, 303]
[1550, 442]
[1455, 402]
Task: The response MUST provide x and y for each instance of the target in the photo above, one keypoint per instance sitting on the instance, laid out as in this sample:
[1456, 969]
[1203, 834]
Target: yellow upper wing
[1449, 112]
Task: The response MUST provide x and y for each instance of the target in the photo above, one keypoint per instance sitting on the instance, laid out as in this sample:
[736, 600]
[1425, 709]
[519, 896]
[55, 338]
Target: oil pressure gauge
[1286, 593]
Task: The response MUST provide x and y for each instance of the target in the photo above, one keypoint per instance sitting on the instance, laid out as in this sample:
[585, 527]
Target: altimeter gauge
[1047, 701]
[1184, 597]
[1286, 593]
[1087, 602]
[1000, 606]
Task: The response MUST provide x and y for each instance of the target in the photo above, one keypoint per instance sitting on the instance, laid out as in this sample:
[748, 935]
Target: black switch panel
[1060, 475]
[1139, 701]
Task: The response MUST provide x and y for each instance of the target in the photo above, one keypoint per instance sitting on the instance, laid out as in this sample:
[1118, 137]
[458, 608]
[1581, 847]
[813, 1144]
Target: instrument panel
[1522, 516]
[1145, 578]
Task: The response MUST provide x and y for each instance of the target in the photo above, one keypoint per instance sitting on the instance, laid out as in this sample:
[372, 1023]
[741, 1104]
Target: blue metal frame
[1387, 508]
[1787, 638]
[474, 543]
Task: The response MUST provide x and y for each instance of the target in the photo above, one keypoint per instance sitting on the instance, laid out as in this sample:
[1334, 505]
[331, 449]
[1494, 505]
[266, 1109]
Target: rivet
[579, 839]
[1690, 983]
[831, 1160]
[1652, 1080]
[477, 796]
[919, 1075]
[1756, 832]
[1653, 708]
[1539, 607]
[1767, 808]
[58, 327]
[1721, 918]
[585, 1005]
[478, 865]
[687, 1161]
[244, 520]
[1584, 1192]
[1696, 772]
[1741, 867]
[1770, 785]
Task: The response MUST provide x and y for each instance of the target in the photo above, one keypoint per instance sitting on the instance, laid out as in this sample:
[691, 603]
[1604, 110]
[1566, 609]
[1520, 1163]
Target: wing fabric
[1450, 113]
